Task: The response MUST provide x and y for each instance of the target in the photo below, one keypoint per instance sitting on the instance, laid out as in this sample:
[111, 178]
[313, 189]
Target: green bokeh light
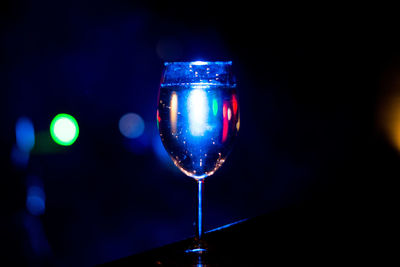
[64, 129]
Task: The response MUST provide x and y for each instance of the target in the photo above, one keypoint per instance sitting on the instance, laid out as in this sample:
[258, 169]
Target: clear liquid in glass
[198, 124]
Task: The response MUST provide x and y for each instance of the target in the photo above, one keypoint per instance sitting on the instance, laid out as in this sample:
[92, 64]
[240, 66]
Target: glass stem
[199, 224]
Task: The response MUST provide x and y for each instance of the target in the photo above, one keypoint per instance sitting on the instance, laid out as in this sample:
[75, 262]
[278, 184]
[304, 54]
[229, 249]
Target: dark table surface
[288, 236]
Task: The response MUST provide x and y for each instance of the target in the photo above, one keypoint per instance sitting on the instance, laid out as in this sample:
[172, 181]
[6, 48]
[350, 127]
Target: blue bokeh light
[36, 235]
[25, 134]
[19, 158]
[131, 125]
[35, 200]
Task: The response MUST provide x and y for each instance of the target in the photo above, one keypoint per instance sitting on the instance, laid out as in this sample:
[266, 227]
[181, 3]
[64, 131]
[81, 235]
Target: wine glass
[198, 119]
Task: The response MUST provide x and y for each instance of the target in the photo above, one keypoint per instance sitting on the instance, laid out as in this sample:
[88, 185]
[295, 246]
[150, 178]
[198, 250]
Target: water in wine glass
[198, 123]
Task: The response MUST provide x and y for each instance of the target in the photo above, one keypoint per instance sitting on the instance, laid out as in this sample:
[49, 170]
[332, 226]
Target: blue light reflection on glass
[200, 184]
[199, 63]
[198, 72]
[160, 152]
[24, 134]
[196, 250]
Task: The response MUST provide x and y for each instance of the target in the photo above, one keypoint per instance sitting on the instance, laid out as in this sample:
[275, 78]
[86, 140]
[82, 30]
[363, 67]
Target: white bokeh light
[64, 129]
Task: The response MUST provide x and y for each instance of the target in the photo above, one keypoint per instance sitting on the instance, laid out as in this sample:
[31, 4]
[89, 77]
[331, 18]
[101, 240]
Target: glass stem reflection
[199, 224]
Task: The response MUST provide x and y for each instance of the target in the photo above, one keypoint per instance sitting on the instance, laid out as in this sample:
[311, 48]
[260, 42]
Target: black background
[311, 81]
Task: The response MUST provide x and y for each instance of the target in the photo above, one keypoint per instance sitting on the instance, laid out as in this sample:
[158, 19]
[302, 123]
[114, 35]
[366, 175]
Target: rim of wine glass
[198, 63]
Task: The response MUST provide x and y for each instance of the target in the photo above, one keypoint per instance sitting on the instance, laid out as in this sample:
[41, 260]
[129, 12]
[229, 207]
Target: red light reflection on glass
[158, 119]
[234, 105]
[225, 124]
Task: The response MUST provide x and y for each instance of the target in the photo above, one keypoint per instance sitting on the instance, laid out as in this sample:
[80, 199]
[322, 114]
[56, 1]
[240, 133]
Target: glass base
[198, 257]
[198, 247]
[196, 250]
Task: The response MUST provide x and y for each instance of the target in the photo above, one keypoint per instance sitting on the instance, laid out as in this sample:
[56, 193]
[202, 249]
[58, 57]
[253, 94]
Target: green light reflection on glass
[215, 107]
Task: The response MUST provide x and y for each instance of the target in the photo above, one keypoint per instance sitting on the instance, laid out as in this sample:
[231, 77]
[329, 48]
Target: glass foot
[198, 246]
[196, 250]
